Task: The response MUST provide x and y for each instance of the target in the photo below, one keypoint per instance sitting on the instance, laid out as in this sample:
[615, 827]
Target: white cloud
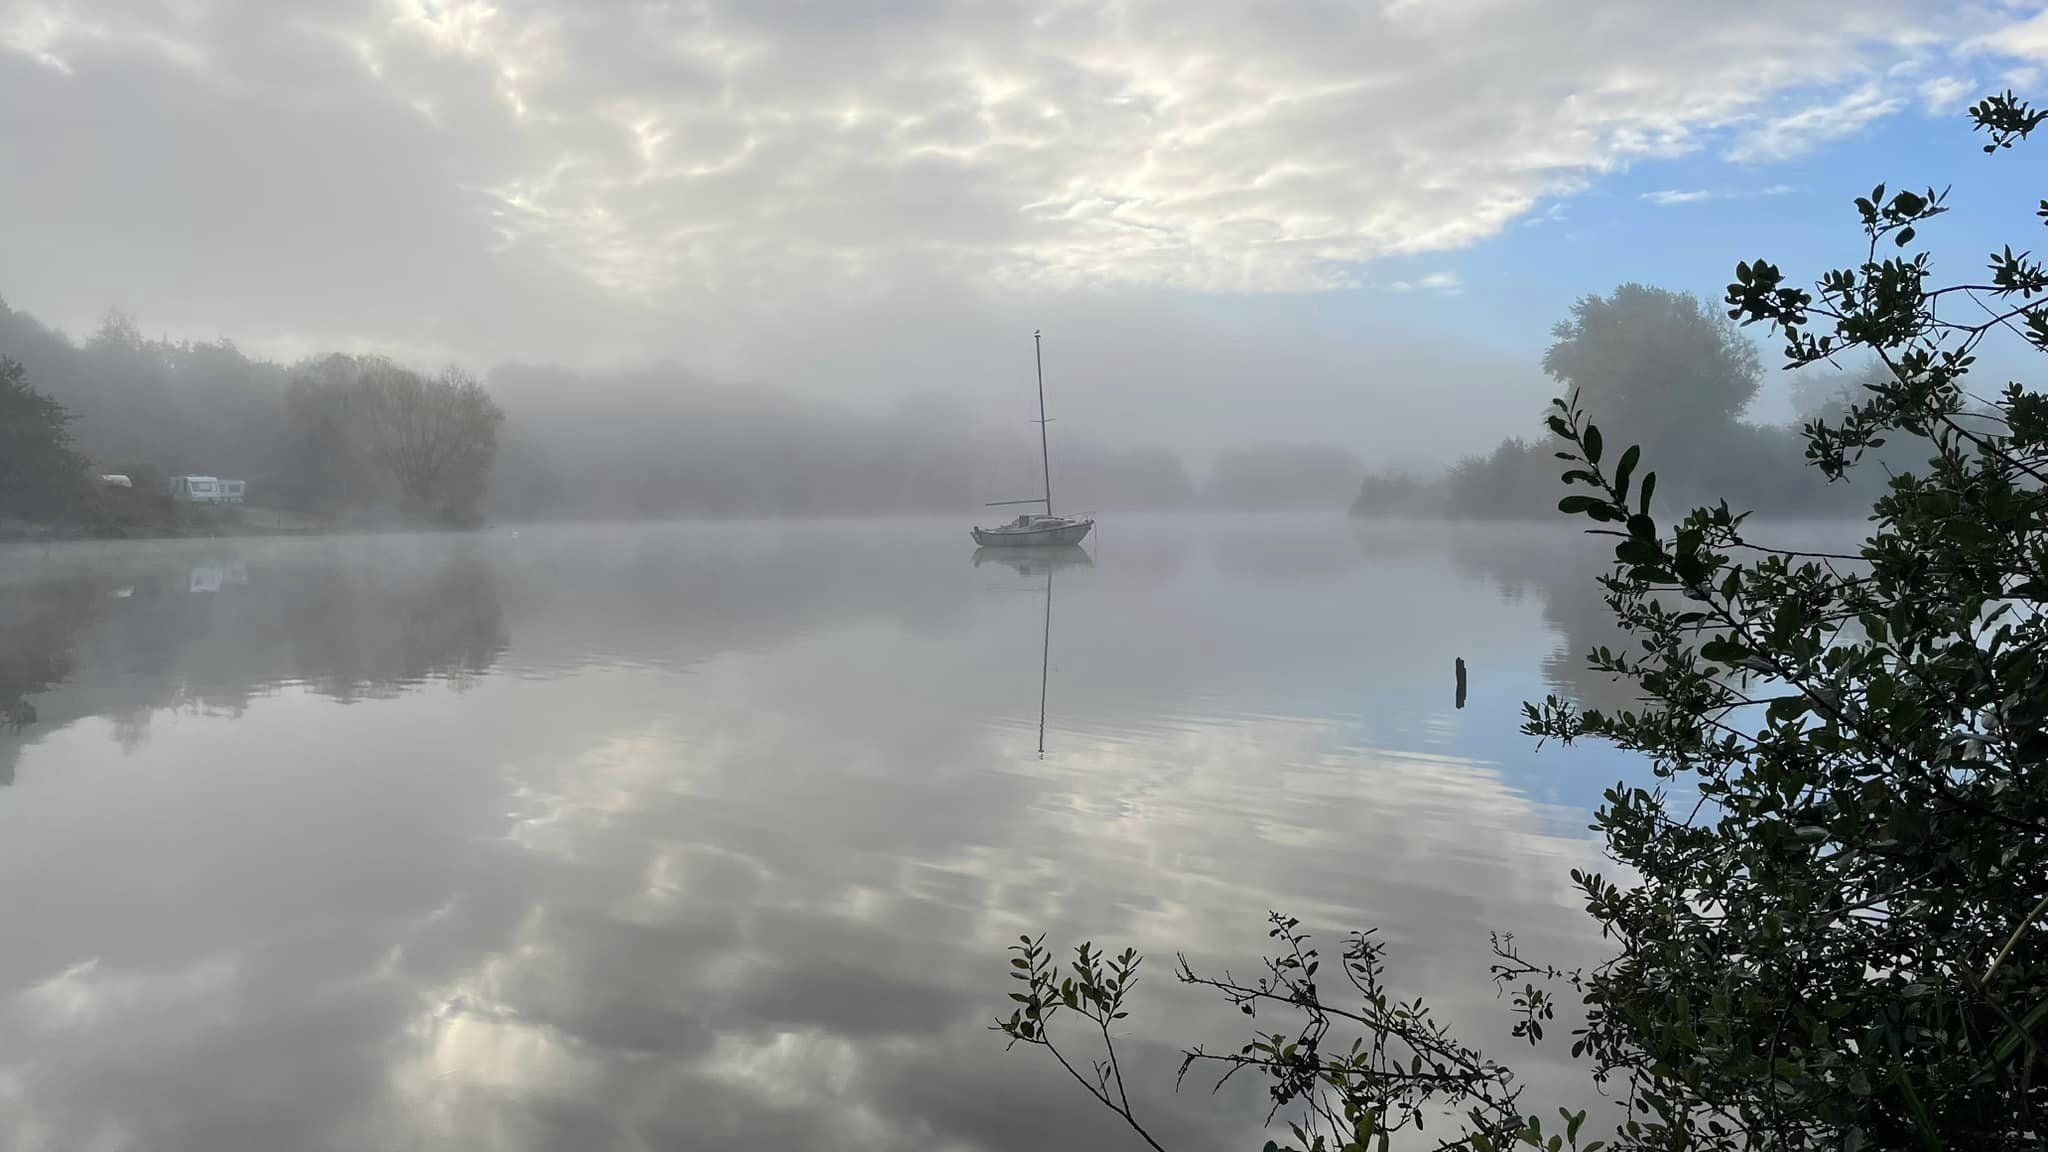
[1441, 283]
[33, 31]
[2026, 39]
[1669, 196]
[1945, 94]
[865, 199]
[1795, 134]
[664, 155]
[90, 995]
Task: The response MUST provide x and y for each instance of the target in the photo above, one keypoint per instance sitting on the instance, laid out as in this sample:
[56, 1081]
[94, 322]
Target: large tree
[366, 430]
[1663, 370]
[1832, 931]
[1658, 366]
[42, 477]
[437, 437]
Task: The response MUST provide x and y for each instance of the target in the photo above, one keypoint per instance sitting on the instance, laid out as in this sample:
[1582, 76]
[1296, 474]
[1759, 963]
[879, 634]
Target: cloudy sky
[1332, 219]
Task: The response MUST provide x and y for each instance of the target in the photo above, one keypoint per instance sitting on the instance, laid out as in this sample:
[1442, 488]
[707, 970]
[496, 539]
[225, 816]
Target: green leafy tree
[42, 477]
[1658, 366]
[1661, 369]
[1828, 923]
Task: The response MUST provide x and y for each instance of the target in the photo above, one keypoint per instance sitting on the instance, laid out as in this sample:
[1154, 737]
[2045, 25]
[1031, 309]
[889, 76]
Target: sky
[1340, 220]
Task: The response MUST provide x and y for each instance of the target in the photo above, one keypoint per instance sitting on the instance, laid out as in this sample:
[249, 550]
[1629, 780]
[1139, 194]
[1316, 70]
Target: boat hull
[1058, 537]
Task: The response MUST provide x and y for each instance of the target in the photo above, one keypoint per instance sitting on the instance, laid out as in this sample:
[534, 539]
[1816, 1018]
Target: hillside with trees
[340, 441]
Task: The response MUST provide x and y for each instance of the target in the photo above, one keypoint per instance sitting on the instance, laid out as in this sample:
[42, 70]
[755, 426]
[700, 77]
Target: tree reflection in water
[39, 628]
[165, 628]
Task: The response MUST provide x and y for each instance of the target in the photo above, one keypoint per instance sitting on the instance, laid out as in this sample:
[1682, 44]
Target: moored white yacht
[1030, 531]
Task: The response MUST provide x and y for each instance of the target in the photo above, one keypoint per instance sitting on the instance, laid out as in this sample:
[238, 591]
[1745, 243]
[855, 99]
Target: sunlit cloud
[859, 200]
[669, 151]
[1441, 283]
[1946, 94]
[1668, 197]
[2026, 39]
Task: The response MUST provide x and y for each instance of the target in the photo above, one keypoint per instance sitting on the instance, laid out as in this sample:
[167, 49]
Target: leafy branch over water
[1360, 1071]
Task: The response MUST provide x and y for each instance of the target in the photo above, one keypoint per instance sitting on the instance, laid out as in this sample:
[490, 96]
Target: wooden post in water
[1461, 681]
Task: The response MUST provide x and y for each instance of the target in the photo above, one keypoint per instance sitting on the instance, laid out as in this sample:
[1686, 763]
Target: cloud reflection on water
[726, 850]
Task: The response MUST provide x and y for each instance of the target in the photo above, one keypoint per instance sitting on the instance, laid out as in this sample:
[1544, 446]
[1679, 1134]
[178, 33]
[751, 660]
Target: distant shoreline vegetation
[1676, 378]
[324, 445]
[349, 443]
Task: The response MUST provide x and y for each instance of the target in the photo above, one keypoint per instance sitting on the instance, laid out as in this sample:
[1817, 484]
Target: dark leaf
[1626, 468]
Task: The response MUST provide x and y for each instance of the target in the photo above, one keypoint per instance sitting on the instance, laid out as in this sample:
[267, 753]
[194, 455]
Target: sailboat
[1030, 531]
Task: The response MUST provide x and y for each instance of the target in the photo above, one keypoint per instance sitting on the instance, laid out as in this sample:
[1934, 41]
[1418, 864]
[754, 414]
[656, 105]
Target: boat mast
[1044, 455]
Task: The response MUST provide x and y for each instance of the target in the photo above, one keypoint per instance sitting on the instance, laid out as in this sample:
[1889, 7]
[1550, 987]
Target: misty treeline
[661, 441]
[354, 441]
[347, 439]
[1664, 371]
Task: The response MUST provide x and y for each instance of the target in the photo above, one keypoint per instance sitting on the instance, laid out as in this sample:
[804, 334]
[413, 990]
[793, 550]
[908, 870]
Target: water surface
[712, 836]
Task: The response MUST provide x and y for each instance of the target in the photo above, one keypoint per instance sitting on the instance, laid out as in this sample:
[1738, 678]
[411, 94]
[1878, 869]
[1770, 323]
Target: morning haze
[600, 574]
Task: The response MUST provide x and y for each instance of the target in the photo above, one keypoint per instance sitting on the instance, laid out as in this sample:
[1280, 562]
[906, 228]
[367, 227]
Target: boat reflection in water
[1033, 562]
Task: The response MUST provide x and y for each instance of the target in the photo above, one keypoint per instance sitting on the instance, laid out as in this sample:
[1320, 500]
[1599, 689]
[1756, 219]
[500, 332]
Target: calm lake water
[659, 837]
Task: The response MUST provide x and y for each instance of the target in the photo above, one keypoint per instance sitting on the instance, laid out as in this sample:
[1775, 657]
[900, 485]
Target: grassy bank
[127, 515]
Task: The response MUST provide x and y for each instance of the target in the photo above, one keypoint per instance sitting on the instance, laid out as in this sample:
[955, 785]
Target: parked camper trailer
[197, 489]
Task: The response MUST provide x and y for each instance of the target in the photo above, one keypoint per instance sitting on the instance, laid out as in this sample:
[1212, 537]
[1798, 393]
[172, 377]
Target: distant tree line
[349, 440]
[1667, 373]
[180, 407]
[1269, 477]
[355, 440]
[662, 442]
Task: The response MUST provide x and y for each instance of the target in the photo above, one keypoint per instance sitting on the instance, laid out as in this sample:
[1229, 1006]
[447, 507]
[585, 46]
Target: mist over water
[687, 836]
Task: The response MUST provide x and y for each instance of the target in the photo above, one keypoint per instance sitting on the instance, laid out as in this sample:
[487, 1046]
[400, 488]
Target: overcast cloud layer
[873, 197]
